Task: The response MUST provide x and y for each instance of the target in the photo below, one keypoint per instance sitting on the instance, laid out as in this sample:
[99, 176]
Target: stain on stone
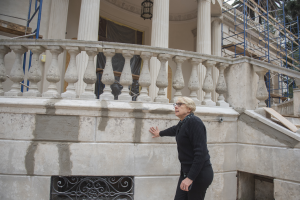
[29, 158]
[50, 106]
[56, 127]
[138, 115]
[104, 116]
[161, 111]
[64, 159]
[267, 130]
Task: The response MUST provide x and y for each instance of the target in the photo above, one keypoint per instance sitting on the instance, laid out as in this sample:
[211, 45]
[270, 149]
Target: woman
[196, 171]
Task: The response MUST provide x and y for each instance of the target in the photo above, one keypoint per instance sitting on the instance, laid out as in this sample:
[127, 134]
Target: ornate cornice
[137, 10]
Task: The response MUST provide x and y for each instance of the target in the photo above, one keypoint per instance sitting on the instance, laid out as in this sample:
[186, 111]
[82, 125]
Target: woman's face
[181, 111]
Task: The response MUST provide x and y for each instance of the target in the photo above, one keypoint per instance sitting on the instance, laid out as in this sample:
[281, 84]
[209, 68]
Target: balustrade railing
[53, 75]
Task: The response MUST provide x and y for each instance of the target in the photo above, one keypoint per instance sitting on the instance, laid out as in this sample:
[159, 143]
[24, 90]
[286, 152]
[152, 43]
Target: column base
[87, 95]
[13, 93]
[124, 97]
[69, 95]
[32, 94]
[222, 104]
[106, 97]
[161, 99]
[174, 100]
[197, 101]
[208, 103]
[51, 95]
[143, 98]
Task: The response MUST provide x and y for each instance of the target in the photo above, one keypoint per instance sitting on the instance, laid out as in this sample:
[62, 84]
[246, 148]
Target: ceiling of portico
[180, 10]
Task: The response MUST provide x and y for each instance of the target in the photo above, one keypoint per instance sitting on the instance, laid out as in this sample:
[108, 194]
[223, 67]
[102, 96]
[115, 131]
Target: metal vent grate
[91, 187]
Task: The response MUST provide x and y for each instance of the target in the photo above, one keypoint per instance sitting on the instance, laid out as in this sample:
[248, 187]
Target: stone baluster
[178, 81]
[35, 72]
[3, 51]
[194, 84]
[16, 73]
[145, 78]
[71, 75]
[126, 76]
[221, 88]
[108, 77]
[208, 85]
[261, 92]
[162, 79]
[90, 76]
[53, 74]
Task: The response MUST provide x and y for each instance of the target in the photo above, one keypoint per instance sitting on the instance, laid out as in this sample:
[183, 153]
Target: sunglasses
[178, 104]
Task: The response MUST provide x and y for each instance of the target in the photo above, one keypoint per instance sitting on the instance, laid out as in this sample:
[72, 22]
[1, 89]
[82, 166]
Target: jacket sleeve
[197, 136]
[169, 131]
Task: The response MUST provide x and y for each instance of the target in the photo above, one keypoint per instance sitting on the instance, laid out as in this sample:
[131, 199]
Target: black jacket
[191, 140]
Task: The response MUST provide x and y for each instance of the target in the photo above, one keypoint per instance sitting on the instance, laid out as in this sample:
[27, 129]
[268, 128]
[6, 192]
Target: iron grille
[91, 187]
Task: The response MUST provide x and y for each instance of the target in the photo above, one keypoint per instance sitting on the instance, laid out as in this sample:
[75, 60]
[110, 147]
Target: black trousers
[199, 187]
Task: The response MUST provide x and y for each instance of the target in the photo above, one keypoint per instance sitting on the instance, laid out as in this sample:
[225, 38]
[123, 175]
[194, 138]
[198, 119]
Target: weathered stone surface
[115, 129]
[269, 161]
[223, 157]
[155, 187]
[221, 132]
[223, 187]
[46, 159]
[87, 126]
[24, 187]
[246, 186]
[264, 190]
[284, 190]
[17, 126]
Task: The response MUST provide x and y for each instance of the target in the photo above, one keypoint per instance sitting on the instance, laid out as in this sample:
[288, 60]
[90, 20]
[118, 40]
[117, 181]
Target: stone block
[13, 157]
[224, 186]
[269, 161]
[17, 126]
[24, 187]
[284, 190]
[264, 190]
[156, 159]
[155, 187]
[116, 129]
[87, 128]
[223, 157]
[221, 132]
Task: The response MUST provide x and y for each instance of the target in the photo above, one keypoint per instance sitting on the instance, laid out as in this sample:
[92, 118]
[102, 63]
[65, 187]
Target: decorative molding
[137, 10]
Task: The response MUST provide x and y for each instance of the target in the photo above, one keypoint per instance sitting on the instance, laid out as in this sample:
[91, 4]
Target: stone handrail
[285, 108]
[19, 46]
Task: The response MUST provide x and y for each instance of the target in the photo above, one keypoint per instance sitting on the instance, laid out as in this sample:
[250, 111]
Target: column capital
[217, 19]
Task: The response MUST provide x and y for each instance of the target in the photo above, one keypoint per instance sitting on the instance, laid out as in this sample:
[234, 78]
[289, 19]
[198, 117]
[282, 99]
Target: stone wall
[41, 138]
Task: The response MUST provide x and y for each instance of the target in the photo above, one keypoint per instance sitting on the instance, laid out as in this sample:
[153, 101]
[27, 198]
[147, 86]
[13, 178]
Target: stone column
[159, 38]
[71, 74]
[208, 85]
[221, 87]
[16, 73]
[57, 26]
[53, 74]
[162, 79]
[87, 30]
[35, 72]
[3, 51]
[90, 76]
[178, 82]
[216, 48]
[194, 84]
[203, 38]
[126, 77]
[108, 77]
[145, 78]
[261, 92]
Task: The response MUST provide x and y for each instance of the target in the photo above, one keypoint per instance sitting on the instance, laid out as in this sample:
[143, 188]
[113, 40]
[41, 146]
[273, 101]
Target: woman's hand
[185, 184]
[154, 131]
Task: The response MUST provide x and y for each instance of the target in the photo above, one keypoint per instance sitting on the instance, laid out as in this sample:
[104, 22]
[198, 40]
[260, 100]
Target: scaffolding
[260, 31]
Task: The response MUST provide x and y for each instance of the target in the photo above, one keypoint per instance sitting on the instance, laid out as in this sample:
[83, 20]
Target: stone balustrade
[56, 47]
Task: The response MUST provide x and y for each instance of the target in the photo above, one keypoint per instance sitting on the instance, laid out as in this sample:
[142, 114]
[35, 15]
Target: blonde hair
[188, 102]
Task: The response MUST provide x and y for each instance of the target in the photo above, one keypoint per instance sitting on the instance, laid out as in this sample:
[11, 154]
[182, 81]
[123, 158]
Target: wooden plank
[12, 28]
[135, 77]
[280, 118]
